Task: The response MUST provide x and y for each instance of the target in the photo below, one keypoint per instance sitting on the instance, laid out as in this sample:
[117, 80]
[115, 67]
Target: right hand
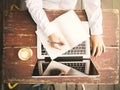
[97, 45]
[54, 38]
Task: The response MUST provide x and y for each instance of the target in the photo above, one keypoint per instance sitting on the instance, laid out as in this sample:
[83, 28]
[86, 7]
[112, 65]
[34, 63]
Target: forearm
[94, 14]
[39, 16]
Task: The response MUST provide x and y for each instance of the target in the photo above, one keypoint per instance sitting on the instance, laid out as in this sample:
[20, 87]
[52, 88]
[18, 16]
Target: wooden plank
[22, 5]
[116, 4]
[23, 87]
[1, 26]
[111, 4]
[18, 87]
[60, 86]
[70, 87]
[117, 87]
[1, 72]
[87, 87]
[111, 25]
[91, 87]
[1, 40]
[107, 4]
[75, 87]
[106, 87]
[79, 87]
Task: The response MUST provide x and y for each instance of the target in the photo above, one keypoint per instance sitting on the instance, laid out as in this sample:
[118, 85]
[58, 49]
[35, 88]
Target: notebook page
[72, 29]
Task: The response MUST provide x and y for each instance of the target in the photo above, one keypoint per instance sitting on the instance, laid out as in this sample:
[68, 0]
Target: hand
[97, 45]
[54, 38]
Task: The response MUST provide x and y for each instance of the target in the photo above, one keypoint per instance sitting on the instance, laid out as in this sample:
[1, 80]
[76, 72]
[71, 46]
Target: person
[93, 11]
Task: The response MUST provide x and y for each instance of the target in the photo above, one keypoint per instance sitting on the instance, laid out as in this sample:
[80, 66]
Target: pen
[56, 42]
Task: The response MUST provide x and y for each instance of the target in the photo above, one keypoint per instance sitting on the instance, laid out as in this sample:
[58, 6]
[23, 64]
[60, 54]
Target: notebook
[69, 28]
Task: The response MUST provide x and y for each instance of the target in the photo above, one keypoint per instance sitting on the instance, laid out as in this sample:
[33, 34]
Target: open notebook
[72, 35]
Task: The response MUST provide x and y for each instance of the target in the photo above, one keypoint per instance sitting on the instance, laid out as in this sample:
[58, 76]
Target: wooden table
[19, 32]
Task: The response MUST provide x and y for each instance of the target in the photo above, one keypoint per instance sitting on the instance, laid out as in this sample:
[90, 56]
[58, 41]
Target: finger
[104, 48]
[62, 43]
[57, 46]
[94, 51]
[90, 46]
[99, 51]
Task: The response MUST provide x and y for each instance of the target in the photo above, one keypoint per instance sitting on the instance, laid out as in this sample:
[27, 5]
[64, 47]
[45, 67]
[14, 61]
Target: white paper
[72, 31]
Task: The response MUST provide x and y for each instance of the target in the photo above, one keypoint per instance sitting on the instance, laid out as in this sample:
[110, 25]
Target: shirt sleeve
[35, 8]
[94, 14]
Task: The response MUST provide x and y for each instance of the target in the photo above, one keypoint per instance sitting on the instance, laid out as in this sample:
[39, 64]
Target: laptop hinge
[74, 58]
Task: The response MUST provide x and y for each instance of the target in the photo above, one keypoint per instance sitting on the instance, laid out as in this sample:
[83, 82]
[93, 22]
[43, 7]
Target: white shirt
[92, 8]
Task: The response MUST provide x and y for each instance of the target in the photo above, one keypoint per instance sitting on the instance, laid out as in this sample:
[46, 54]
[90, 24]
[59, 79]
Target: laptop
[77, 58]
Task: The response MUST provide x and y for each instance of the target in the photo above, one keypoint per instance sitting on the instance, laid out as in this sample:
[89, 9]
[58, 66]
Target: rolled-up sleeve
[35, 8]
[94, 14]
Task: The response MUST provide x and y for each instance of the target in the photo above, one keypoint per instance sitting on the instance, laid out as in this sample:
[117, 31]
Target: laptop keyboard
[80, 49]
[77, 66]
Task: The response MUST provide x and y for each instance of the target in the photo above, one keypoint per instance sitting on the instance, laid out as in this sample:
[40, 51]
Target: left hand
[97, 45]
